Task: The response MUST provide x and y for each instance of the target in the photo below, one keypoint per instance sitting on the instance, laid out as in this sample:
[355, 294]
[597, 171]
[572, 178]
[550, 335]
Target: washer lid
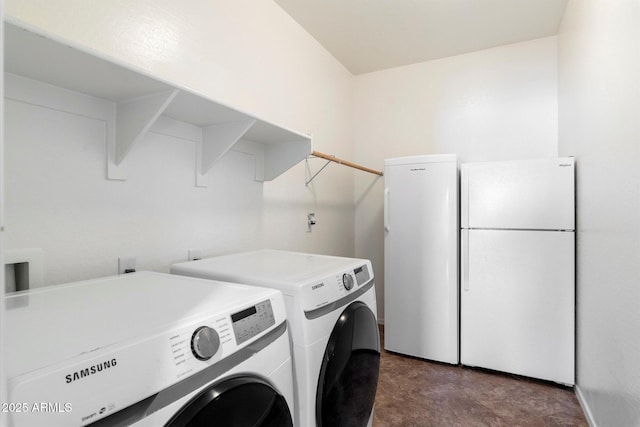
[53, 324]
[284, 270]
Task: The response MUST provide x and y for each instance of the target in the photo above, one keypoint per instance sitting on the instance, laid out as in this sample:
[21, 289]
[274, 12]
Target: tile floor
[417, 393]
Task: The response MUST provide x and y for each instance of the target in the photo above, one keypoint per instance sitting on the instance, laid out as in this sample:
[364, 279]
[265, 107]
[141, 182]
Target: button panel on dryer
[253, 320]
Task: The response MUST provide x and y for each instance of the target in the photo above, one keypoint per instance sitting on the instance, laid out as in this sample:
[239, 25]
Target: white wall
[599, 122]
[249, 55]
[58, 200]
[3, 382]
[494, 104]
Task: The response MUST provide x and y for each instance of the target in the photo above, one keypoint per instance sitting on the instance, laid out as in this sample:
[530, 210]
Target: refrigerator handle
[386, 210]
[464, 259]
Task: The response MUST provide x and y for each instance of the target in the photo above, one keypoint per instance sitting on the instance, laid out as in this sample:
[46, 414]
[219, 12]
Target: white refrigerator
[517, 299]
[421, 257]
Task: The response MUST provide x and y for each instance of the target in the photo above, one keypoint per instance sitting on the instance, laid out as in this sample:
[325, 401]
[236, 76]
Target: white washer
[148, 349]
[331, 307]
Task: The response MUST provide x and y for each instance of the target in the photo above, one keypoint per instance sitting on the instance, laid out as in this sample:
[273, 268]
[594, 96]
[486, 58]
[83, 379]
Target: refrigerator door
[421, 265]
[517, 302]
[524, 194]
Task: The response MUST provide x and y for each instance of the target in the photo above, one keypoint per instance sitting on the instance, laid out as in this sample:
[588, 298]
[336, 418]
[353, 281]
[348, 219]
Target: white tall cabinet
[421, 257]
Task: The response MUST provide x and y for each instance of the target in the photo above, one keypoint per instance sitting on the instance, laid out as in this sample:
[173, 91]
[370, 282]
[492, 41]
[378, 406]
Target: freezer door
[421, 265]
[517, 302]
[525, 194]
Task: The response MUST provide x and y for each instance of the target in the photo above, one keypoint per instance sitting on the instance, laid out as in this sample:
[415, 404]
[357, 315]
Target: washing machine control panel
[205, 343]
[251, 321]
[201, 344]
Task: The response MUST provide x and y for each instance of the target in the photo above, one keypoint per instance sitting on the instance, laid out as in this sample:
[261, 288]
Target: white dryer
[148, 349]
[331, 308]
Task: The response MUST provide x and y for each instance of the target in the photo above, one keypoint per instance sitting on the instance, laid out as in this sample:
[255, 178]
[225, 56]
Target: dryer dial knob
[205, 342]
[347, 281]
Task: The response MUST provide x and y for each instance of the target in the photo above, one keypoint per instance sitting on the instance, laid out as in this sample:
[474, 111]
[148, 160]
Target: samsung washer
[331, 307]
[148, 349]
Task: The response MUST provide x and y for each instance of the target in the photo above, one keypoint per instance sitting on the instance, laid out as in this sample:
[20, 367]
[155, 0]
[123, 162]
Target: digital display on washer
[251, 321]
[244, 313]
[362, 275]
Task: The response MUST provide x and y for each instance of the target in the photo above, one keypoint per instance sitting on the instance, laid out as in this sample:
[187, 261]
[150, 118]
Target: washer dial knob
[205, 342]
[347, 281]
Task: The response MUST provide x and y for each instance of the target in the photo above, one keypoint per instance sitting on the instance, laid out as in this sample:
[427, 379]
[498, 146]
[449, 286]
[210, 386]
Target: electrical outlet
[126, 264]
[195, 254]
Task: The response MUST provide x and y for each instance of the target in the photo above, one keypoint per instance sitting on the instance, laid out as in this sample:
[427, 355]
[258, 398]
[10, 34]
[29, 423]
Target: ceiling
[372, 35]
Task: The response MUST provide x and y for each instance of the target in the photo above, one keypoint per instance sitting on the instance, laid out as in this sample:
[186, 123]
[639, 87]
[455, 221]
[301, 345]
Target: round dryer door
[349, 372]
[236, 402]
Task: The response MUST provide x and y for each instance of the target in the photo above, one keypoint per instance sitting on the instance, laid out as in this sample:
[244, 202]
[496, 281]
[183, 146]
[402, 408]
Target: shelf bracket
[216, 141]
[133, 119]
[315, 174]
[340, 161]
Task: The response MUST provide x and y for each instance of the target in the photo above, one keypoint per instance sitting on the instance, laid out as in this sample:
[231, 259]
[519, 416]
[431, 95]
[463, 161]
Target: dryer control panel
[330, 289]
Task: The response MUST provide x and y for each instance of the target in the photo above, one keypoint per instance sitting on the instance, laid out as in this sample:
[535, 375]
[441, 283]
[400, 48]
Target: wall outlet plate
[33, 260]
[126, 264]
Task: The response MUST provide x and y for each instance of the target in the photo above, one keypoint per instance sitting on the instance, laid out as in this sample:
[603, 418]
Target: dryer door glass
[349, 373]
[241, 402]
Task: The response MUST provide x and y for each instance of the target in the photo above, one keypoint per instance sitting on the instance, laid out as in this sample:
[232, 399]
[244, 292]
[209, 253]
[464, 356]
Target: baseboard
[585, 407]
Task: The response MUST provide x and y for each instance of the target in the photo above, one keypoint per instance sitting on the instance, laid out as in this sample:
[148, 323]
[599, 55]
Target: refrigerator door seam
[465, 260]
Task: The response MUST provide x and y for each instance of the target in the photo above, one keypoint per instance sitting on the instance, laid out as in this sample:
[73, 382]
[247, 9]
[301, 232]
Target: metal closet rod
[346, 163]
